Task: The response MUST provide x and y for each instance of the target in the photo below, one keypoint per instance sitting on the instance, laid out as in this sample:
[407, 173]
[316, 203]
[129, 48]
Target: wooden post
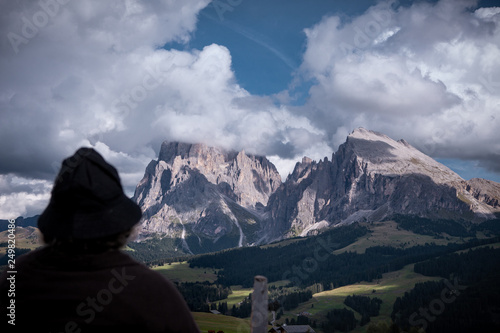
[259, 305]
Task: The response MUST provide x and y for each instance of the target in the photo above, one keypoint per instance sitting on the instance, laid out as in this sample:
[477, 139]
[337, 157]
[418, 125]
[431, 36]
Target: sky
[281, 78]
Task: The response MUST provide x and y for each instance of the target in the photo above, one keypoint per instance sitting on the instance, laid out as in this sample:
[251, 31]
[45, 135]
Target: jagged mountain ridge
[372, 177]
[485, 191]
[206, 196]
[211, 198]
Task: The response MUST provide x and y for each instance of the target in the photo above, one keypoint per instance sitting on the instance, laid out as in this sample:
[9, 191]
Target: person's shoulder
[145, 272]
[24, 260]
[121, 258]
[31, 256]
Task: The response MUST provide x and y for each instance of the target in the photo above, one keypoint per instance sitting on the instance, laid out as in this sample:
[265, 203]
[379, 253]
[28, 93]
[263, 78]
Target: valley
[387, 287]
[358, 242]
[374, 260]
[388, 233]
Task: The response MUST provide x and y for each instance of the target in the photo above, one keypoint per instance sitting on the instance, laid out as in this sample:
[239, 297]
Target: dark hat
[87, 200]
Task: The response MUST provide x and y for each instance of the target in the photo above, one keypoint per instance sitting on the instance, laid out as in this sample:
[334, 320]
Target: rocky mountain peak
[485, 191]
[252, 178]
[378, 153]
[363, 133]
[372, 177]
[212, 198]
[306, 160]
[204, 194]
[208, 160]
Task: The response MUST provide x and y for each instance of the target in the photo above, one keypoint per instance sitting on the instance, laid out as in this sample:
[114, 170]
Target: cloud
[22, 197]
[426, 73]
[200, 101]
[95, 74]
[60, 82]
[65, 65]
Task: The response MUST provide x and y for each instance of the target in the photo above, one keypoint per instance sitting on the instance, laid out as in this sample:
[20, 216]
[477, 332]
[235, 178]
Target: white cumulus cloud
[95, 73]
[427, 73]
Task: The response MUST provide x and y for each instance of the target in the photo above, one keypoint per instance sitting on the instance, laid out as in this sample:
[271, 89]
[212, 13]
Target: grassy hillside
[391, 286]
[388, 233]
[181, 272]
[307, 258]
[227, 324]
[238, 295]
[26, 238]
[388, 288]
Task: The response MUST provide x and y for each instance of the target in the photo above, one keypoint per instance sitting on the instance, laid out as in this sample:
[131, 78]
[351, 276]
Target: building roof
[298, 329]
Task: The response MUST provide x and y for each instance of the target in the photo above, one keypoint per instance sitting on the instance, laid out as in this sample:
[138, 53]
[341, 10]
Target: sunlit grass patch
[227, 324]
[388, 233]
[388, 288]
[237, 296]
[181, 272]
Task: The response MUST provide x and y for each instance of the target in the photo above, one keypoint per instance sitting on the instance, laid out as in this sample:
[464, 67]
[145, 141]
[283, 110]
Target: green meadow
[181, 272]
[388, 288]
[227, 324]
[26, 238]
[238, 295]
[388, 233]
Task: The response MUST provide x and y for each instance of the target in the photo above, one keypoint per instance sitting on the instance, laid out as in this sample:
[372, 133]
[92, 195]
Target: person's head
[88, 210]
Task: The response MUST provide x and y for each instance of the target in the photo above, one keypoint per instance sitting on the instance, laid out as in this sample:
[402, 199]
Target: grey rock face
[251, 178]
[485, 191]
[204, 195]
[211, 199]
[370, 178]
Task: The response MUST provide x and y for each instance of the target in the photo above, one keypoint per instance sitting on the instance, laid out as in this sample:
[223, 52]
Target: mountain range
[210, 199]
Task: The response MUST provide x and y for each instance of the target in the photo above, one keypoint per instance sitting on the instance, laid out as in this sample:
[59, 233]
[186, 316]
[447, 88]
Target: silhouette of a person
[80, 281]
